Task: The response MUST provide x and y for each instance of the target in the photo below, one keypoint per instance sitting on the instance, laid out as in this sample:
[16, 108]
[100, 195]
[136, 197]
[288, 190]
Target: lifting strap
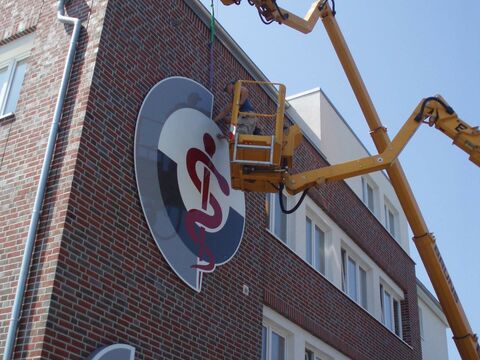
[210, 44]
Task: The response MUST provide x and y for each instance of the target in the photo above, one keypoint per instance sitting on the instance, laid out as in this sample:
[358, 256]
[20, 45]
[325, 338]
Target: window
[391, 313]
[310, 355]
[390, 219]
[354, 280]
[420, 319]
[13, 66]
[368, 195]
[315, 246]
[278, 219]
[274, 345]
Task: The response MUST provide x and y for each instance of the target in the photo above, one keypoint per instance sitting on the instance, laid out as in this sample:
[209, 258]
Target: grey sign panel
[183, 177]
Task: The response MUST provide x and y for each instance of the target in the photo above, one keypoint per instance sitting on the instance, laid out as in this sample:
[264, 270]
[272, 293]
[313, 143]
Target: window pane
[352, 279]
[308, 230]
[391, 222]
[344, 271]
[276, 218]
[364, 191]
[14, 92]
[370, 197]
[3, 84]
[283, 220]
[280, 220]
[278, 347]
[308, 355]
[264, 343]
[420, 318]
[382, 303]
[363, 287]
[388, 310]
[396, 316]
[319, 250]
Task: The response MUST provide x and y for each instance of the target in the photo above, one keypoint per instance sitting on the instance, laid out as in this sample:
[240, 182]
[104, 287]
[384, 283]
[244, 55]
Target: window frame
[366, 184]
[346, 256]
[10, 55]
[314, 225]
[390, 209]
[280, 332]
[394, 310]
[272, 216]
[316, 355]
[420, 322]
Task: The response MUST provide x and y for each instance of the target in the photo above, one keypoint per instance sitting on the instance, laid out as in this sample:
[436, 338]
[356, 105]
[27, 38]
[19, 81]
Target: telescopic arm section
[433, 111]
[444, 119]
[269, 12]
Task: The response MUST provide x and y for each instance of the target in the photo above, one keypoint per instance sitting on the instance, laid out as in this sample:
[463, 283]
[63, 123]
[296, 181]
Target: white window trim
[325, 224]
[336, 239]
[420, 322]
[271, 218]
[387, 206]
[10, 55]
[318, 222]
[271, 326]
[299, 338]
[317, 354]
[396, 295]
[344, 278]
[366, 180]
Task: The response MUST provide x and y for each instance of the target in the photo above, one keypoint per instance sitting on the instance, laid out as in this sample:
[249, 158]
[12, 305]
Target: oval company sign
[183, 179]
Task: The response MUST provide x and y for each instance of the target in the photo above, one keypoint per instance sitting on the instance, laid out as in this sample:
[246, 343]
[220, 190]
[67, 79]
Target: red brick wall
[23, 141]
[18, 17]
[97, 273]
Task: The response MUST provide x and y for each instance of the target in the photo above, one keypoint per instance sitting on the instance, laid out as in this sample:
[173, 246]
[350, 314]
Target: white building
[433, 325]
[325, 127]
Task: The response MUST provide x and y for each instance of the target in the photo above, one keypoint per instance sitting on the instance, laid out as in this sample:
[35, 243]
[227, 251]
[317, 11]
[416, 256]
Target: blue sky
[405, 50]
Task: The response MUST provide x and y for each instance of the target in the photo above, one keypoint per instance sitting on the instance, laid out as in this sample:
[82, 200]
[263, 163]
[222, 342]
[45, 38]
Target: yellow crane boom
[260, 163]
[438, 113]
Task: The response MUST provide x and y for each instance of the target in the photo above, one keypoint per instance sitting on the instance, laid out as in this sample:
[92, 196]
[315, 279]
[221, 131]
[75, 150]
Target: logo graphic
[183, 178]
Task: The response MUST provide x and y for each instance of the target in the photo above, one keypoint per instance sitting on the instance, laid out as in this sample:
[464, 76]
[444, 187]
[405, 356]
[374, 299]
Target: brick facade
[97, 276]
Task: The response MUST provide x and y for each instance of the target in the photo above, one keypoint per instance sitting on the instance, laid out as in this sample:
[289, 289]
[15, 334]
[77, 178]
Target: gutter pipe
[52, 138]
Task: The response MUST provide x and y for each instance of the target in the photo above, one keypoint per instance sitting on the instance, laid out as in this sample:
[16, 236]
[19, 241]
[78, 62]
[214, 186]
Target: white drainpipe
[52, 138]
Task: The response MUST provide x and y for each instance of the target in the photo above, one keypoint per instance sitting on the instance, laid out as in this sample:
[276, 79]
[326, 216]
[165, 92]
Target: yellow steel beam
[301, 181]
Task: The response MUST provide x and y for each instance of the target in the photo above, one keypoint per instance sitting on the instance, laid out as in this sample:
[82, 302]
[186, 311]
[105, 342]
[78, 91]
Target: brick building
[97, 276]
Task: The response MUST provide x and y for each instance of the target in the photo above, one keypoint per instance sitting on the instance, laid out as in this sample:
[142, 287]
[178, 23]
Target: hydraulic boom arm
[463, 136]
[433, 109]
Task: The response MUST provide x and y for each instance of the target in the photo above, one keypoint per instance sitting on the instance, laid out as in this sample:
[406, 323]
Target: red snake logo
[201, 217]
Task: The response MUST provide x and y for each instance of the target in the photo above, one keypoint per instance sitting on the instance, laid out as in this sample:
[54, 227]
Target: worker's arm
[222, 114]
[226, 110]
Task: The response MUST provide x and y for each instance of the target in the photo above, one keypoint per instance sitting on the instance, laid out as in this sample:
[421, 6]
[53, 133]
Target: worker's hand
[218, 119]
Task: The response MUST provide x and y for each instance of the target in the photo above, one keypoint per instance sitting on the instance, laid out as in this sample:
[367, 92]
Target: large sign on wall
[183, 178]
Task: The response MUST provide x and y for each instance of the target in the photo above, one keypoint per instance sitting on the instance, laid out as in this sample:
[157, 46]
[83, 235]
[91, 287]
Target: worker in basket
[245, 124]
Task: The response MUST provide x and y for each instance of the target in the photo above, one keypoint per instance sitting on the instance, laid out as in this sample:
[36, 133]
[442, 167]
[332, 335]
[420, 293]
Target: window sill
[397, 336]
[284, 242]
[7, 117]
